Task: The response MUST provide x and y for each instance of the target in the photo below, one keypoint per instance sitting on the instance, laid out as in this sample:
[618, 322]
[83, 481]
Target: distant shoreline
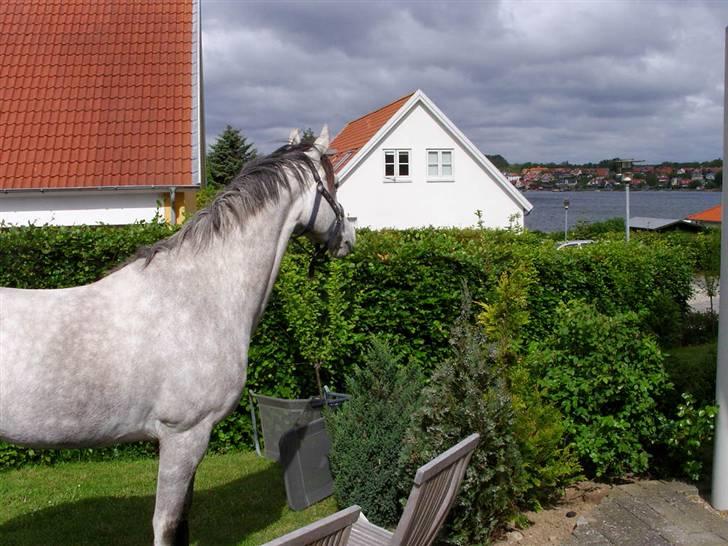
[681, 190]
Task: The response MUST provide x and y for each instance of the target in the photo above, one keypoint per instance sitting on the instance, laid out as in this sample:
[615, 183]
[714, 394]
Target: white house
[407, 165]
[100, 111]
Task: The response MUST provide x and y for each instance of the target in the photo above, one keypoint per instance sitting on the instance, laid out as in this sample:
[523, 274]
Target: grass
[239, 500]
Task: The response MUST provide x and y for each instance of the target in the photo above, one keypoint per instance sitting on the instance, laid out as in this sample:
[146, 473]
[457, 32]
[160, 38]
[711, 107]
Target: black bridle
[336, 232]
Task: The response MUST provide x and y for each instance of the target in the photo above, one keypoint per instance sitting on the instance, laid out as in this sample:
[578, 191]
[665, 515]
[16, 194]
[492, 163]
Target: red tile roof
[96, 93]
[712, 214]
[358, 132]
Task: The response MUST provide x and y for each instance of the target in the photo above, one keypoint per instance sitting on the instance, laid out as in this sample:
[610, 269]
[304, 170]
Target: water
[592, 206]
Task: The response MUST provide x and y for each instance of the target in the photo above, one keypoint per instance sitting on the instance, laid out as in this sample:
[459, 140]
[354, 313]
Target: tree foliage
[468, 393]
[368, 432]
[308, 136]
[606, 378]
[230, 151]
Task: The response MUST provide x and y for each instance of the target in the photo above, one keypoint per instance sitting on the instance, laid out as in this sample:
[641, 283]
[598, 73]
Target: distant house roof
[711, 215]
[99, 93]
[358, 132]
[661, 224]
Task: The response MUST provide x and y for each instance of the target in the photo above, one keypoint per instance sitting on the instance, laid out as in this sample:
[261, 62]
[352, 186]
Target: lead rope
[318, 256]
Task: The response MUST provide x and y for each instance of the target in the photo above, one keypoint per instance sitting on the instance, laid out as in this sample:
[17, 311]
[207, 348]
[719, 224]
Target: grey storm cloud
[531, 80]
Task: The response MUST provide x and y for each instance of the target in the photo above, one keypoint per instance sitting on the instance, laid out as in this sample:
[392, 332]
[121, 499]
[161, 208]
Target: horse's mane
[258, 184]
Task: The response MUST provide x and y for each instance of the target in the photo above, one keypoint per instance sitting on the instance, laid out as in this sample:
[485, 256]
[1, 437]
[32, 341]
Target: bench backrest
[436, 485]
[333, 530]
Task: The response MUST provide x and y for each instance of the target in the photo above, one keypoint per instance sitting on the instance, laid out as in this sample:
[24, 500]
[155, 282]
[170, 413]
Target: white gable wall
[378, 203]
[77, 207]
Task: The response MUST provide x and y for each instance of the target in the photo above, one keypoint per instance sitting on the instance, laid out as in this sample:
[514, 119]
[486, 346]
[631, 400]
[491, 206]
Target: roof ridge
[380, 108]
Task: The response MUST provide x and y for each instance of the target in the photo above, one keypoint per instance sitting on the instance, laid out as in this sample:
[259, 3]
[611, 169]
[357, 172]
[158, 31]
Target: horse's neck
[248, 260]
[233, 275]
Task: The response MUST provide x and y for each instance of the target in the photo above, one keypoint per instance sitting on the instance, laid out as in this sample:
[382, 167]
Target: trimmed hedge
[402, 285]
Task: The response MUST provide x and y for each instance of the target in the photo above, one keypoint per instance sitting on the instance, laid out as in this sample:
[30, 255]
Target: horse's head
[323, 219]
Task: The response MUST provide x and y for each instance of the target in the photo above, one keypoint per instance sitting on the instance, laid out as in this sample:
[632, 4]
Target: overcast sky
[531, 80]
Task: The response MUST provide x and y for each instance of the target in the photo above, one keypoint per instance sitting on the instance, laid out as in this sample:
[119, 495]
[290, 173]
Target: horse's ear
[322, 142]
[295, 137]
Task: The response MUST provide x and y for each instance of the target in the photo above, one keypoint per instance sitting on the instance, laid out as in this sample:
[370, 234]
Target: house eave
[94, 189]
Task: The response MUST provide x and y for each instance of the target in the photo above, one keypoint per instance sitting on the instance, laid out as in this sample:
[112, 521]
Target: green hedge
[402, 285]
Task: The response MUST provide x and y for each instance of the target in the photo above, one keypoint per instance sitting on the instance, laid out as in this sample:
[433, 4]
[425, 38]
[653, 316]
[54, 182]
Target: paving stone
[621, 527]
[705, 539]
[681, 487]
[676, 535]
[681, 512]
[641, 510]
[652, 513]
[587, 536]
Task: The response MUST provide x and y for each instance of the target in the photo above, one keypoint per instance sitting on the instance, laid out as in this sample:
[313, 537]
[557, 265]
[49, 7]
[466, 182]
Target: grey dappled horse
[158, 349]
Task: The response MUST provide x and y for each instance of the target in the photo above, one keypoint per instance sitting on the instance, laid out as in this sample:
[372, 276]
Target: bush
[699, 327]
[689, 438]
[548, 464]
[467, 393]
[692, 371]
[606, 377]
[367, 435]
[598, 230]
[59, 257]
[402, 285]
[664, 319]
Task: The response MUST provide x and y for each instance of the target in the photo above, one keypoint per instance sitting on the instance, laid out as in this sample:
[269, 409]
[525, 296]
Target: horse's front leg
[179, 455]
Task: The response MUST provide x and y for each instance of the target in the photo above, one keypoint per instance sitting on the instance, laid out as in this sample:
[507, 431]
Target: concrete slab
[655, 513]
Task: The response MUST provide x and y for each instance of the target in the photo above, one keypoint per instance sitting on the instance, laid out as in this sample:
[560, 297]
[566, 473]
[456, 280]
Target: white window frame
[439, 177]
[397, 165]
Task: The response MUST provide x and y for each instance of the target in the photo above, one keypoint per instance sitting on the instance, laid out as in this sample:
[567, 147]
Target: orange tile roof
[357, 133]
[96, 93]
[712, 214]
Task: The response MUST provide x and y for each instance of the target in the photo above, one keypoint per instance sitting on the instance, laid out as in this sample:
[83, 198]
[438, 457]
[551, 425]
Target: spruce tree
[308, 136]
[227, 156]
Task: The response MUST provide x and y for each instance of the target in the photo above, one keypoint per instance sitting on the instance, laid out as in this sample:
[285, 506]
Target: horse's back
[60, 378]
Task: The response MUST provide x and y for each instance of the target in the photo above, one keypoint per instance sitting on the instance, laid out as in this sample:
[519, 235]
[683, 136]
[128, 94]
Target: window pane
[403, 163]
[447, 158]
[432, 158]
[432, 170]
[447, 170]
[388, 163]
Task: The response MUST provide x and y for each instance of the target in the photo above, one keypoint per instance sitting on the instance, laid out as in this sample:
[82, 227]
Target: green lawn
[239, 500]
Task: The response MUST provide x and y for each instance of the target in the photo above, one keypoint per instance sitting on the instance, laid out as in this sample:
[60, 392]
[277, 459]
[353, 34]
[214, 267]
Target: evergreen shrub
[367, 435]
[468, 393]
[548, 463]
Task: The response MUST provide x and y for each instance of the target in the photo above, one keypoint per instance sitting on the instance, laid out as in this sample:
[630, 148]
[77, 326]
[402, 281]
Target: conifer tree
[227, 156]
[308, 136]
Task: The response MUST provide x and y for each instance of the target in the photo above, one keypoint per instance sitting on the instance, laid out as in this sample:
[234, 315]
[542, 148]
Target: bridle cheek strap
[336, 232]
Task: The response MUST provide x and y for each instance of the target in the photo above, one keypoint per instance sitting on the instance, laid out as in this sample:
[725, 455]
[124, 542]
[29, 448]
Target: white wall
[100, 206]
[377, 203]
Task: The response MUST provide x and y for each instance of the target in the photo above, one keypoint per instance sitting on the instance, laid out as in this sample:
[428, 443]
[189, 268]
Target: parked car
[576, 243]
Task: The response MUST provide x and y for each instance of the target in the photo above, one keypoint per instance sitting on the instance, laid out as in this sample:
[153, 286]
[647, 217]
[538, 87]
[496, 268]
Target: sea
[595, 206]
